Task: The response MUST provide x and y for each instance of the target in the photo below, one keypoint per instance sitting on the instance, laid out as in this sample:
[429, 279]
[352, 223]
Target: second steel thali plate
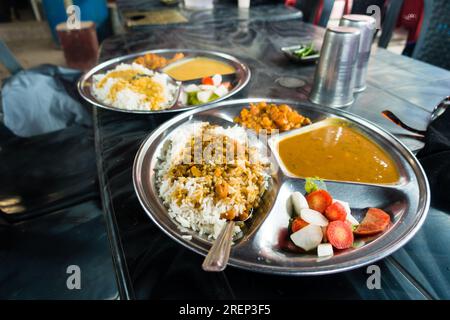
[259, 249]
[240, 78]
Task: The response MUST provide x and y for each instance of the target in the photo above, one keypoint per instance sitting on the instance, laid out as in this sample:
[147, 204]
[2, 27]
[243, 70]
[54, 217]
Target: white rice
[128, 99]
[205, 219]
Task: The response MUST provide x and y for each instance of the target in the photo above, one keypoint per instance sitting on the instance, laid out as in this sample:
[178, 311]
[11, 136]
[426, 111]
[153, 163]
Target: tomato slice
[208, 81]
[340, 234]
[319, 200]
[336, 211]
[297, 224]
[375, 221]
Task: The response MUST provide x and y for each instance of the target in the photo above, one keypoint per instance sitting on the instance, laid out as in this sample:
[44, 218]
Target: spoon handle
[218, 255]
[392, 117]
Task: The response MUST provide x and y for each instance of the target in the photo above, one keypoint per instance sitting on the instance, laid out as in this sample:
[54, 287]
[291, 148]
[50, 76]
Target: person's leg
[409, 49]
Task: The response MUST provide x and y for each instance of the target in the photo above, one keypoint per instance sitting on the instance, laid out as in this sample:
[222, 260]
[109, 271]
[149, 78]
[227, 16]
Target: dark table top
[151, 265]
[52, 177]
[224, 11]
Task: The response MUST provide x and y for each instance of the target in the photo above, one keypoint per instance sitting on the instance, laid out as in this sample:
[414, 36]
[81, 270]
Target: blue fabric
[42, 100]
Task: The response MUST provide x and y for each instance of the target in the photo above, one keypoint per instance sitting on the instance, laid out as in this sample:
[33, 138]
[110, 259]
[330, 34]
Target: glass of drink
[80, 45]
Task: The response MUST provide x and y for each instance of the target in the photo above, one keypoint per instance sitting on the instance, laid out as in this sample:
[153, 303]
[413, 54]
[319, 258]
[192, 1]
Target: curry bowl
[262, 246]
[332, 130]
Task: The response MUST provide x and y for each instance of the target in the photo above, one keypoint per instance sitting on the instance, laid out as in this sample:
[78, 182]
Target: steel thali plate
[239, 80]
[260, 249]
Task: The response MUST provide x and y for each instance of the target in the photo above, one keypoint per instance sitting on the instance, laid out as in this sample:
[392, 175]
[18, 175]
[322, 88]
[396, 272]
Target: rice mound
[133, 87]
[189, 188]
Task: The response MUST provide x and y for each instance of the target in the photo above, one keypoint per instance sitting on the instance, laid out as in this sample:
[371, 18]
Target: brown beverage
[80, 46]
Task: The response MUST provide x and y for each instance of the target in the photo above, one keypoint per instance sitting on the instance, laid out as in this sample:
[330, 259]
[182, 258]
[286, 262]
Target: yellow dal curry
[337, 152]
[198, 68]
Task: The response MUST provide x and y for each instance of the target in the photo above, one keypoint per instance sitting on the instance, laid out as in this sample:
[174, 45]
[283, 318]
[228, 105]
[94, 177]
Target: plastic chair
[8, 59]
[433, 45]
[314, 11]
[325, 12]
[390, 21]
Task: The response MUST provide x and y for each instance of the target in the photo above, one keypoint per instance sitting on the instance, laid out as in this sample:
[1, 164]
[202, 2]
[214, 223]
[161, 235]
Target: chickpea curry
[154, 61]
[270, 117]
[337, 151]
[227, 173]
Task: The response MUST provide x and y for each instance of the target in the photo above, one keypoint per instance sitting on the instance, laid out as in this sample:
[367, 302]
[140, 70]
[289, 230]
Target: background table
[220, 13]
[151, 265]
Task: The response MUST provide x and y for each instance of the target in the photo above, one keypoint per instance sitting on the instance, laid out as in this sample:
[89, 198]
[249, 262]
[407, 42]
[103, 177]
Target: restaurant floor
[32, 44]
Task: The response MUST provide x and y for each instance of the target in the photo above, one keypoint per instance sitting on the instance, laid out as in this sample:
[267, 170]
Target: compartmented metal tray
[238, 80]
[260, 249]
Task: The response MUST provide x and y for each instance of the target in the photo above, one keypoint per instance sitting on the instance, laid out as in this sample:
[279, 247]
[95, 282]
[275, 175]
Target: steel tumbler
[334, 78]
[366, 25]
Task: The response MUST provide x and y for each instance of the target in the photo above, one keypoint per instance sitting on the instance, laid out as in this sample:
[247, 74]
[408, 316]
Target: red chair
[411, 18]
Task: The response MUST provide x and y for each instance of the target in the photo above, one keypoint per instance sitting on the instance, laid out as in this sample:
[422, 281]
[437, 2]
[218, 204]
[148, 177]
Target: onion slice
[203, 96]
[298, 202]
[313, 217]
[217, 79]
[324, 250]
[308, 237]
[221, 91]
[191, 88]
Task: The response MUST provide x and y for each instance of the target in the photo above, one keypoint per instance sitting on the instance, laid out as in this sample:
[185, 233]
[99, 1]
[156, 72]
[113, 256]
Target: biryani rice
[191, 195]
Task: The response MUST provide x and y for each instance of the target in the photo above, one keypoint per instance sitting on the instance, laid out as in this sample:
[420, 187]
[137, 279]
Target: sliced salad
[210, 89]
[322, 223]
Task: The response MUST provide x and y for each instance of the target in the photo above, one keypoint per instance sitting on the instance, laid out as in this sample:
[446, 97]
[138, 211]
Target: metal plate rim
[280, 270]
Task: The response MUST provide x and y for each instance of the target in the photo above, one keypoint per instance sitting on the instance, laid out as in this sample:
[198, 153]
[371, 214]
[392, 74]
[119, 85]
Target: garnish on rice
[134, 87]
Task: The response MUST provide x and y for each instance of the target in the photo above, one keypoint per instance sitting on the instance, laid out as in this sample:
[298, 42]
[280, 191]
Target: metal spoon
[436, 113]
[218, 255]
[225, 78]
[440, 108]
